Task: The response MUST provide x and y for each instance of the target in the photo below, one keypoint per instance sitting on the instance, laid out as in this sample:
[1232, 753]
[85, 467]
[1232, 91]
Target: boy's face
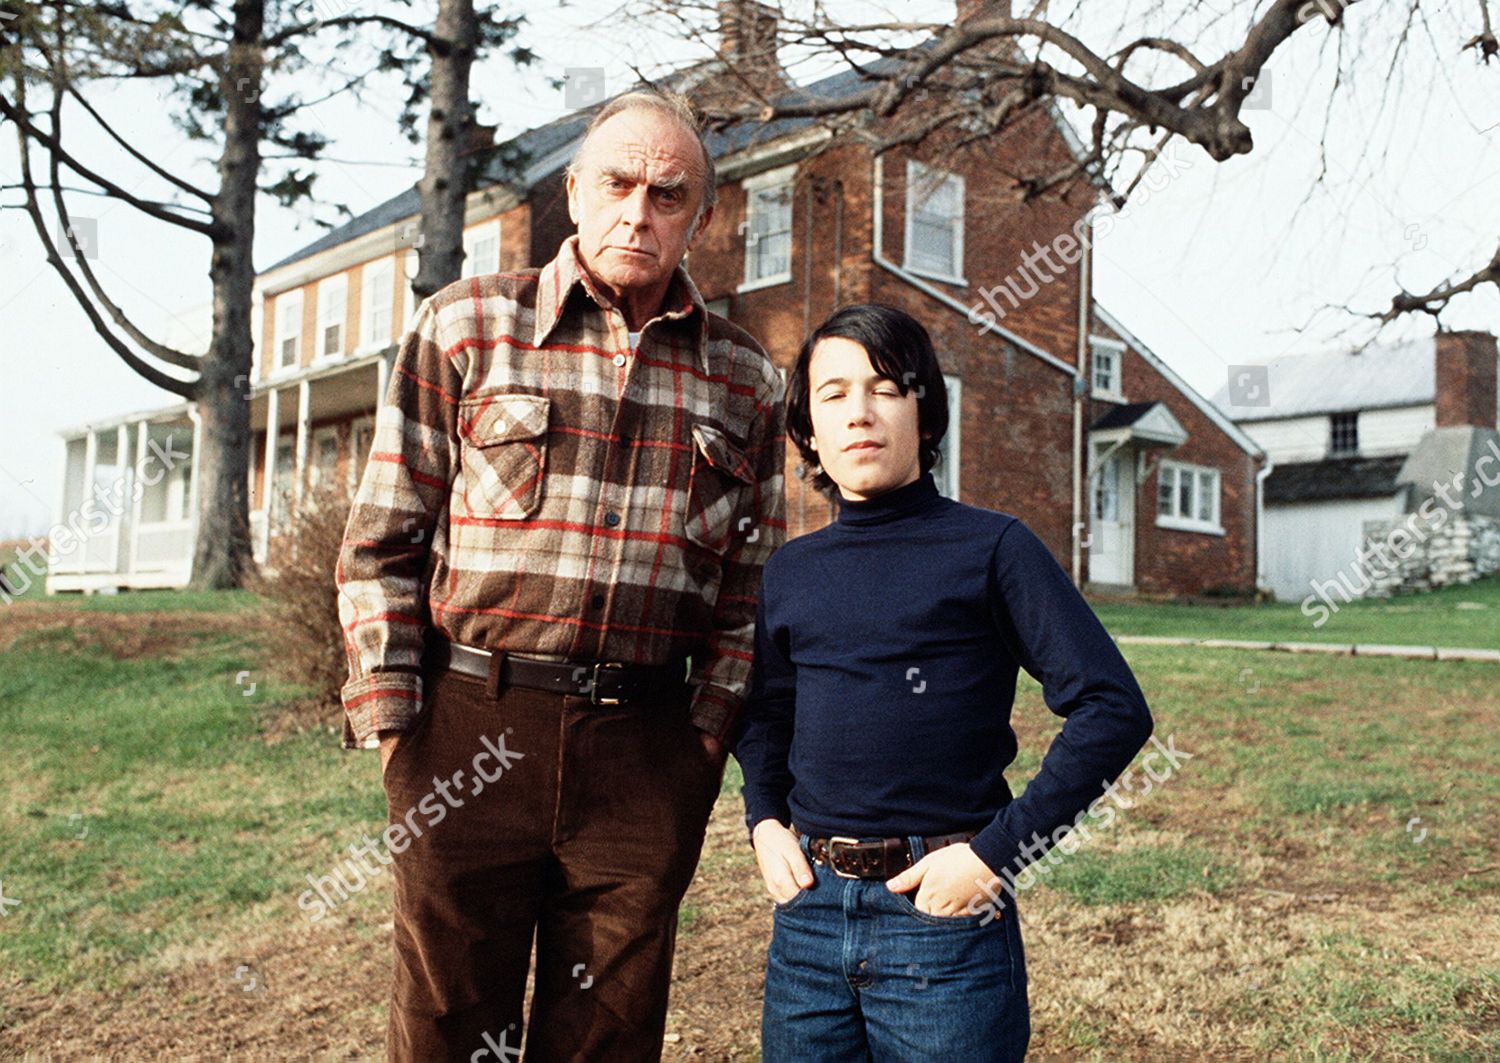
[866, 433]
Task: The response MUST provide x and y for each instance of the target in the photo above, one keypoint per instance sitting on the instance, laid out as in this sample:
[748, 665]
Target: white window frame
[377, 283]
[947, 471]
[289, 304]
[472, 239]
[755, 187]
[1173, 471]
[1112, 390]
[333, 309]
[1335, 451]
[917, 176]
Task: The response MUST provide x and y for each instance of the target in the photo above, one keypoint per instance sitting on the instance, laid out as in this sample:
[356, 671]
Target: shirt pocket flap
[722, 454]
[492, 419]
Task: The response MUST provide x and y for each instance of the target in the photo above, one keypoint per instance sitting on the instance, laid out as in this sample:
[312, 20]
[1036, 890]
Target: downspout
[1260, 519]
[1085, 305]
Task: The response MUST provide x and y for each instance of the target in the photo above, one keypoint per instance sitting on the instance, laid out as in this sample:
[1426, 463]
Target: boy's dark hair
[900, 350]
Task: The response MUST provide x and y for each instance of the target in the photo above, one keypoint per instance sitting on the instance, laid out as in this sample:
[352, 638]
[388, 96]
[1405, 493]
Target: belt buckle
[594, 698]
[832, 859]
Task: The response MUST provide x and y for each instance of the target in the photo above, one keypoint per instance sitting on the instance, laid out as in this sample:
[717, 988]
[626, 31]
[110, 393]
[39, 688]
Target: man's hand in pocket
[388, 741]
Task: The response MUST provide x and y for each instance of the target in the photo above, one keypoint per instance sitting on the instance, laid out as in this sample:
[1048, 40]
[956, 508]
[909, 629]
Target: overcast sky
[1228, 263]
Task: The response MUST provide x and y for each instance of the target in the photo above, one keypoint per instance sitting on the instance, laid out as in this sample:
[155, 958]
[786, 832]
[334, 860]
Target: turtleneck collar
[900, 502]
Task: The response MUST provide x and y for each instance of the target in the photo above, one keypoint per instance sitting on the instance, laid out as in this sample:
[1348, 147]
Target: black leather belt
[879, 858]
[602, 682]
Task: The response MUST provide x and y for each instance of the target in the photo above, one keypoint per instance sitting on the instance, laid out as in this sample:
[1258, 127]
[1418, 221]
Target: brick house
[1059, 414]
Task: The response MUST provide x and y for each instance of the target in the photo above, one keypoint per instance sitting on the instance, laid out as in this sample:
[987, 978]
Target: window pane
[932, 245]
[1205, 497]
[1164, 493]
[1184, 495]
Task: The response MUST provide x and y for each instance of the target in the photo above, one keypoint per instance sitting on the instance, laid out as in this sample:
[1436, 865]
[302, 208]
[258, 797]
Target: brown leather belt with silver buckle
[878, 858]
[602, 682]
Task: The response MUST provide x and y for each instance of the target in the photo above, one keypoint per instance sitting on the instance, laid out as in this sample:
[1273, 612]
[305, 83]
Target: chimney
[967, 9]
[747, 31]
[1465, 384]
[747, 40]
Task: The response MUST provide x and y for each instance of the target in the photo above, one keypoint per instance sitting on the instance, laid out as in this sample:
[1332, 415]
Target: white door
[1112, 528]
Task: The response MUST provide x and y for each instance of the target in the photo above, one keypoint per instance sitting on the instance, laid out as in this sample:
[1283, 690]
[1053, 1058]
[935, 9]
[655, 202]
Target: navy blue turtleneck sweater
[886, 654]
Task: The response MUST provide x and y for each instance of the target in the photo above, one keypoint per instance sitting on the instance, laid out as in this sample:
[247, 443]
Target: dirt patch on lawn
[122, 636]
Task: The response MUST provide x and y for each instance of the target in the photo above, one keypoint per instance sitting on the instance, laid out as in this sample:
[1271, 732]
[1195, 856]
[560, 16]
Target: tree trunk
[222, 554]
[446, 176]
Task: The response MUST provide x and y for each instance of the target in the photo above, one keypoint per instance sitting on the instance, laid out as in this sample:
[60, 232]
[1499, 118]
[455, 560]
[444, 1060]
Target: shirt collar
[897, 502]
[564, 273]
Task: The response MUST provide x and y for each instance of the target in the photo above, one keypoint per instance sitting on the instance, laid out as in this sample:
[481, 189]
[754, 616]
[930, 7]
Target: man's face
[866, 433]
[634, 199]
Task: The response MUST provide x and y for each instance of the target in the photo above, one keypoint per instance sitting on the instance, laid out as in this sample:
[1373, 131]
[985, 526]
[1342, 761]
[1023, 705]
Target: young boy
[877, 728]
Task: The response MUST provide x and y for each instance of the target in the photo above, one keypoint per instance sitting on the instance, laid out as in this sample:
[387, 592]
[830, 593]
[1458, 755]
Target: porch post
[138, 493]
[273, 417]
[304, 400]
[117, 497]
[90, 463]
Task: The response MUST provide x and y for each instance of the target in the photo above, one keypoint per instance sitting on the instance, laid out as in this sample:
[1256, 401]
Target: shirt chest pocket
[504, 454]
[719, 489]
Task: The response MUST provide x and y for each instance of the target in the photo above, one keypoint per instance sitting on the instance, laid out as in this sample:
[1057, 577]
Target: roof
[1302, 385]
[535, 145]
[1332, 479]
[1122, 416]
[1454, 454]
[1155, 361]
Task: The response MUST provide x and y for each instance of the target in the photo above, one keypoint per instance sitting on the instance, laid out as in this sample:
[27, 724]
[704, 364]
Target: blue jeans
[856, 972]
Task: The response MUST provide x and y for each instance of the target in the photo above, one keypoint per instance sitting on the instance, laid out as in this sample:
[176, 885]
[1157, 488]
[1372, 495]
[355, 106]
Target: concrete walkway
[1363, 649]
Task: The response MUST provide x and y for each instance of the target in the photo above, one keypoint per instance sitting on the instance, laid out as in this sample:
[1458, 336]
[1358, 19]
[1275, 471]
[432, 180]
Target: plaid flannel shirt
[536, 486]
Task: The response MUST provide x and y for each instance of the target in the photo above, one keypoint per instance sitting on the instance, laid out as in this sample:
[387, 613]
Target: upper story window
[1187, 497]
[482, 249]
[410, 266]
[1107, 356]
[934, 222]
[376, 300]
[1343, 434]
[768, 227]
[333, 308]
[288, 329]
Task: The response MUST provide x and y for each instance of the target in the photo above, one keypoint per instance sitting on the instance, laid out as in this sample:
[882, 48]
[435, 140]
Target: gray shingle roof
[1396, 374]
[1333, 478]
[538, 143]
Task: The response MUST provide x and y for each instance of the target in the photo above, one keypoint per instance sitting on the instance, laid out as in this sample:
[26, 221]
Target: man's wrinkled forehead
[636, 149]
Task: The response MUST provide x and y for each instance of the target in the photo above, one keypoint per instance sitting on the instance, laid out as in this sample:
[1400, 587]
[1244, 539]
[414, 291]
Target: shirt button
[597, 601]
[624, 440]
[619, 359]
[611, 518]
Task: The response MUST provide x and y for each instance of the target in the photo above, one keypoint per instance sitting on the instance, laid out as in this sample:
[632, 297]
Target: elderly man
[547, 588]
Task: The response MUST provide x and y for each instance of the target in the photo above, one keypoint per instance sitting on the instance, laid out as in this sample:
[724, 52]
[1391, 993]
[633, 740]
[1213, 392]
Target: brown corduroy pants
[539, 815]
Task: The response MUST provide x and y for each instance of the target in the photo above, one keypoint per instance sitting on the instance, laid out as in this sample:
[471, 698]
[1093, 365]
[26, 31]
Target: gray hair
[673, 105]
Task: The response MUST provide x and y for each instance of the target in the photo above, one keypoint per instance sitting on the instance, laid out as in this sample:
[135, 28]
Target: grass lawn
[1318, 881]
[1467, 616]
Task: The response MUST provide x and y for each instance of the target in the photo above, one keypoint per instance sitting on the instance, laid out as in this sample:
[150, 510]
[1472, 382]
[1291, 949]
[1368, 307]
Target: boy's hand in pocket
[781, 861]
